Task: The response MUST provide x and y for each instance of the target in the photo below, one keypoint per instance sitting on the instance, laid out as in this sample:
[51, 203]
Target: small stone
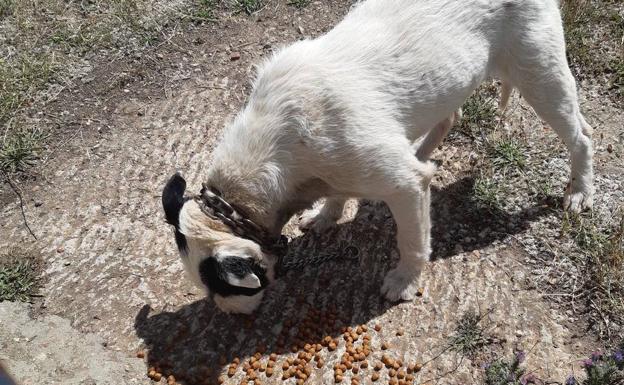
[609, 148]
[235, 56]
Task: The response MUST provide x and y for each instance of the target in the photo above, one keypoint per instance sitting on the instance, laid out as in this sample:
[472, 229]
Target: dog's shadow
[197, 341]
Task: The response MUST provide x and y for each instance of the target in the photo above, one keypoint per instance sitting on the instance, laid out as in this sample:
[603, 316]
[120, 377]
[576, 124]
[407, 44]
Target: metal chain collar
[215, 207]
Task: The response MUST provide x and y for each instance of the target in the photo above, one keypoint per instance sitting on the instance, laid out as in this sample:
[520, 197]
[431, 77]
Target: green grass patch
[508, 154]
[601, 260]
[469, 336]
[248, 6]
[594, 32]
[487, 193]
[479, 112]
[299, 3]
[18, 276]
[508, 372]
[21, 149]
[6, 7]
[21, 78]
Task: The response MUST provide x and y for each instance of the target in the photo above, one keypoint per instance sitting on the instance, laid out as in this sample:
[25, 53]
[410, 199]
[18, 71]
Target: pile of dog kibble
[360, 363]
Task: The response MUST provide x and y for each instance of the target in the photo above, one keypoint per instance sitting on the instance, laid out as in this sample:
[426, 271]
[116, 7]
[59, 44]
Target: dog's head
[233, 270]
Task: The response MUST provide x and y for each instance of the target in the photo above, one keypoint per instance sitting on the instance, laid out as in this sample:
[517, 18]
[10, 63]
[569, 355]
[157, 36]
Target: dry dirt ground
[112, 270]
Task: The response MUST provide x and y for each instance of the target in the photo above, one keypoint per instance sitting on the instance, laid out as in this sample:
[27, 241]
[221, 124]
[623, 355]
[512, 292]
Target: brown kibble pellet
[338, 372]
[320, 363]
[392, 373]
[256, 365]
[332, 346]
[377, 327]
[409, 377]
[273, 357]
[157, 377]
[355, 370]
[375, 376]
[385, 346]
[269, 372]
[393, 381]
[300, 381]
[364, 365]
[401, 374]
[231, 372]
[420, 291]
[400, 332]
[417, 367]
[140, 354]
[378, 366]
[402, 382]
[338, 379]
[396, 365]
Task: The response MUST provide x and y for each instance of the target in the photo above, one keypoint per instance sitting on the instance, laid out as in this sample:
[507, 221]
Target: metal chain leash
[297, 259]
[214, 206]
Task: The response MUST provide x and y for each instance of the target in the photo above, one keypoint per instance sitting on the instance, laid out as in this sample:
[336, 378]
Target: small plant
[249, 6]
[20, 150]
[508, 154]
[6, 7]
[602, 261]
[503, 372]
[486, 193]
[299, 3]
[479, 112]
[204, 10]
[602, 370]
[18, 277]
[469, 336]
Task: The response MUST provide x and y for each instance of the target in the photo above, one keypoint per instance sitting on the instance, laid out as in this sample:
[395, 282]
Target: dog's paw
[400, 284]
[578, 201]
[315, 219]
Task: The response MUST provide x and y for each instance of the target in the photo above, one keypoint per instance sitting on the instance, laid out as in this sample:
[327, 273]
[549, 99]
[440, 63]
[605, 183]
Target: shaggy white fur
[337, 116]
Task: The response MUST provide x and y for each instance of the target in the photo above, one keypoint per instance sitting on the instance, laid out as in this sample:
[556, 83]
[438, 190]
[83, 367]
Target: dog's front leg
[410, 208]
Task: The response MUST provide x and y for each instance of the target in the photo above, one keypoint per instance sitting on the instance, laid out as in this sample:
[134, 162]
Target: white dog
[336, 117]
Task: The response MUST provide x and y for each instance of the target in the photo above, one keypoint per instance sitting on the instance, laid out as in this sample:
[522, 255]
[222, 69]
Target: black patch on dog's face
[173, 200]
[214, 272]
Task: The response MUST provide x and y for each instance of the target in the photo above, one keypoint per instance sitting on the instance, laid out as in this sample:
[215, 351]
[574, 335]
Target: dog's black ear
[173, 198]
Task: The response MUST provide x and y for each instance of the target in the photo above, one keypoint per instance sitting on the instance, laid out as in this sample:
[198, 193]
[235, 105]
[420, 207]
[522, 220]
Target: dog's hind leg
[322, 218]
[436, 135]
[547, 84]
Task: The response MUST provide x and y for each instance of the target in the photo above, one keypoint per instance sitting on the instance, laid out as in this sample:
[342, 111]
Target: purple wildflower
[596, 356]
[571, 380]
[486, 365]
[528, 379]
[618, 356]
[587, 363]
[520, 356]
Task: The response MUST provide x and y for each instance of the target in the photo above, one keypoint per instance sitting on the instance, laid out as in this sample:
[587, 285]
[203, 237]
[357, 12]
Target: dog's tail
[505, 95]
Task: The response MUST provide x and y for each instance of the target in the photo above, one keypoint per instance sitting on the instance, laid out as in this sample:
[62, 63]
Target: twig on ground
[21, 200]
